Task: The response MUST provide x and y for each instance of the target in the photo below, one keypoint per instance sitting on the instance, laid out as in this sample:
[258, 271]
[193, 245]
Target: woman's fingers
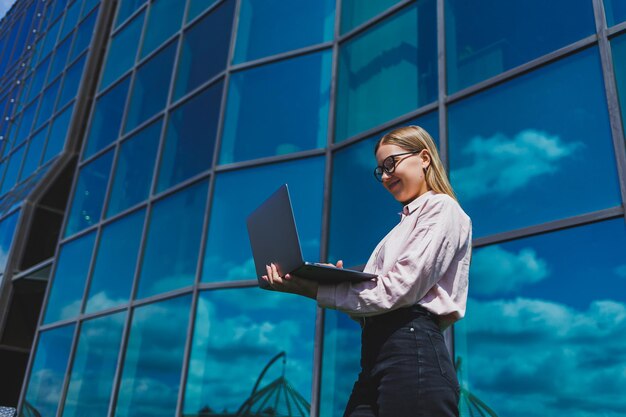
[340, 264]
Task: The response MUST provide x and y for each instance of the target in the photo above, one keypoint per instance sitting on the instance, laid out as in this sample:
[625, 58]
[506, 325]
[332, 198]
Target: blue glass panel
[94, 366]
[121, 56]
[68, 285]
[71, 81]
[51, 38]
[153, 361]
[205, 49]
[33, 156]
[618, 46]
[7, 230]
[173, 241]
[190, 138]
[126, 8]
[89, 194]
[228, 255]
[58, 133]
[13, 170]
[46, 108]
[115, 263]
[38, 79]
[89, 5]
[262, 32]
[198, 6]
[48, 372]
[401, 47]
[552, 322]
[83, 35]
[340, 365]
[297, 89]
[353, 180]
[516, 151]
[485, 38]
[151, 86]
[133, 171]
[237, 333]
[26, 123]
[164, 19]
[59, 59]
[71, 18]
[57, 8]
[356, 12]
[615, 11]
[107, 118]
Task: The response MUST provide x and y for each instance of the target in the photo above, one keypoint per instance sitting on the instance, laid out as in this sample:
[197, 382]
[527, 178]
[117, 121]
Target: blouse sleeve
[432, 246]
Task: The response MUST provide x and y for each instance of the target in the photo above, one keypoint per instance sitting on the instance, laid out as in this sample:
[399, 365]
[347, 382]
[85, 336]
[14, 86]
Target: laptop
[274, 238]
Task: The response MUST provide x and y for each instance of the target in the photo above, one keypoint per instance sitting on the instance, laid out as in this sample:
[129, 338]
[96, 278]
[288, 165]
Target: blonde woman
[422, 267]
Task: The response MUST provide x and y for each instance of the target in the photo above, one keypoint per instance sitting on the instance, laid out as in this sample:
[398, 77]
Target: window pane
[15, 163]
[615, 11]
[485, 38]
[551, 324]
[94, 366]
[71, 82]
[26, 123]
[107, 117]
[198, 6]
[618, 46]
[153, 362]
[353, 180]
[164, 19]
[205, 49]
[51, 38]
[126, 8]
[237, 333]
[48, 372]
[83, 35]
[89, 194]
[71, 18]
[58, 133]
[262, 32]
[402, 47]
[116, 259]
[33, 156]
[152, 81]
[46, 108]
[121, 56]
[59, 59]
[133, 172]
[38, 79]
[70, 276]
[190, 138]
[173, 241]
[355, 12]
[7, 229]
[517, 152]
[228, 255]
[297, 89]
[340, 364]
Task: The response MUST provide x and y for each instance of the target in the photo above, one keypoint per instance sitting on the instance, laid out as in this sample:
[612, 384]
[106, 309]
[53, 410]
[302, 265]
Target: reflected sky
[228, 255]
[237, 333]
[7, 228]
[535, 149]
[536, 319]
[360, 205]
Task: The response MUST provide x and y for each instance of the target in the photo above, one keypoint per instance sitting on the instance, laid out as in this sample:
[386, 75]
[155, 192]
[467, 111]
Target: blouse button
[412, 329]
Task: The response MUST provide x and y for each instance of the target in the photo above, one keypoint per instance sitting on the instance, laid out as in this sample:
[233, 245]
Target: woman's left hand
[290, 283]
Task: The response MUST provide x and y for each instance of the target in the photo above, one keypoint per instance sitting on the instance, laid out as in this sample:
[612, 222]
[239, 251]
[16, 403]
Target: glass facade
[147, 130]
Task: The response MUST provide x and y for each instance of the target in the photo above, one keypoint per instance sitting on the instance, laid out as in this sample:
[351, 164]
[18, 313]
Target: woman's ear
[426, 161]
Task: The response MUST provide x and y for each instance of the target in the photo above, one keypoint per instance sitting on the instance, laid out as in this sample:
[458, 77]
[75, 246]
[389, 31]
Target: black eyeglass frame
[381, 169]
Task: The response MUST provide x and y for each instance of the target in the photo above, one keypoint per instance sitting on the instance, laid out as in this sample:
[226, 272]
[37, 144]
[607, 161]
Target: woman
[422, 266]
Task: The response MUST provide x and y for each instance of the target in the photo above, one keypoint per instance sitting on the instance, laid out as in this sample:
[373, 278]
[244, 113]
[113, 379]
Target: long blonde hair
[415, 138]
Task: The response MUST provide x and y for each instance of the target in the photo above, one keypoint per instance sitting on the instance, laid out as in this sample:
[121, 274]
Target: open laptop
[274, 238]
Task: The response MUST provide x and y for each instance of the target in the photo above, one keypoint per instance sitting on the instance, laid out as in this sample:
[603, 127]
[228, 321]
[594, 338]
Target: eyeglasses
[389, 165]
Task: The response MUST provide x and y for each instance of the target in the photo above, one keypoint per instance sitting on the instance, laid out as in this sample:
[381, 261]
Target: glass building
[137, 135]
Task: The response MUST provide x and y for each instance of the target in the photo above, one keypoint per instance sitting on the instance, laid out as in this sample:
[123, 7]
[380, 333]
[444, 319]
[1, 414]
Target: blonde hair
[415, 138]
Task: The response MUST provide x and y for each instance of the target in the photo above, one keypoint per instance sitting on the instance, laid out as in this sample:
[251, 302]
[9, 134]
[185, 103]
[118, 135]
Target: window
[356, 12]
[121, 55]
[164, 19]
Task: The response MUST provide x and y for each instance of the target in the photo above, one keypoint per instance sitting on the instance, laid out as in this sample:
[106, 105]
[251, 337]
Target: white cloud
[503, 165]
[5, 5]
[498, 271]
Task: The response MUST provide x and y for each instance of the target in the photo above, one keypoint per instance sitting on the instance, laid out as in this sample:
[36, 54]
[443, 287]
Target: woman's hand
[291, 283]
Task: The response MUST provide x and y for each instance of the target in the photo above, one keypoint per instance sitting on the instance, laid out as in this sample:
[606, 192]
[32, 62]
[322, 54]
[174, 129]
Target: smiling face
[407, 181]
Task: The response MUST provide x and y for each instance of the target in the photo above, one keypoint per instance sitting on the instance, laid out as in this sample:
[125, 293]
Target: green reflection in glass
[153, 361]
[387, 71]
[122, 50]
[164, 19]
[94, 367]
[356, 12]
[237, 333]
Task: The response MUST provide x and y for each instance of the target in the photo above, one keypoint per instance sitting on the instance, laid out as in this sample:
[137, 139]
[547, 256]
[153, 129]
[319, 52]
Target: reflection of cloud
[502, 272]
[501, 165]
[245, 270]
[620, 271]
[101, 301]
[535, 357]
